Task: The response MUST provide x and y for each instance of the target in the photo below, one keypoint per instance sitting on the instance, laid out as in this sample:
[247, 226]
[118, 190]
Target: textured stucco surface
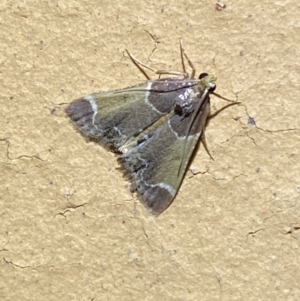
[70, 228]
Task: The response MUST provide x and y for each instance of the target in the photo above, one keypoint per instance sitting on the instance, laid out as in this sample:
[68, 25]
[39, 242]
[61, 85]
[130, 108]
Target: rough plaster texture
[71, 230]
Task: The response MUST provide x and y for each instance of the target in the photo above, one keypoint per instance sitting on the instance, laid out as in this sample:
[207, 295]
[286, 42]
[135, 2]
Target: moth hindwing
[154, 126]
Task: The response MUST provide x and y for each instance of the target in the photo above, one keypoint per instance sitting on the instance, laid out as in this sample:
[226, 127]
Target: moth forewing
[196, 127]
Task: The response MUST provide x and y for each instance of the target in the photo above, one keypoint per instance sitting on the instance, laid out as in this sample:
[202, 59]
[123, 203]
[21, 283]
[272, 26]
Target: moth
[154, 128]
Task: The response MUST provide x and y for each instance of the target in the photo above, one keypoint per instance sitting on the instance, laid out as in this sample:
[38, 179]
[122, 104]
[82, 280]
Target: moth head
[207, 82]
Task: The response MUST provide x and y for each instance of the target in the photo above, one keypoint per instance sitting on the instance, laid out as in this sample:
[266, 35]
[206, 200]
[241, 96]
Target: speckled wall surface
[70, 228]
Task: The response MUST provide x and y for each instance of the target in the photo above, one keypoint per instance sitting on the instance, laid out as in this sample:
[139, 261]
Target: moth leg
[178, 73]
[185, 74]
[183, 54]
[139, 65]
[203, 140]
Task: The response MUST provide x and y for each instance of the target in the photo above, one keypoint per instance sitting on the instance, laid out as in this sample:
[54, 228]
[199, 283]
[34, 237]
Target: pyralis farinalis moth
[153, 126]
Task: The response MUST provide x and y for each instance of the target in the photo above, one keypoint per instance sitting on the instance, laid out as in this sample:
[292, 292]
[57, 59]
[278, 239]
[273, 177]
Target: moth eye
[202, 75]
[213, 89]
